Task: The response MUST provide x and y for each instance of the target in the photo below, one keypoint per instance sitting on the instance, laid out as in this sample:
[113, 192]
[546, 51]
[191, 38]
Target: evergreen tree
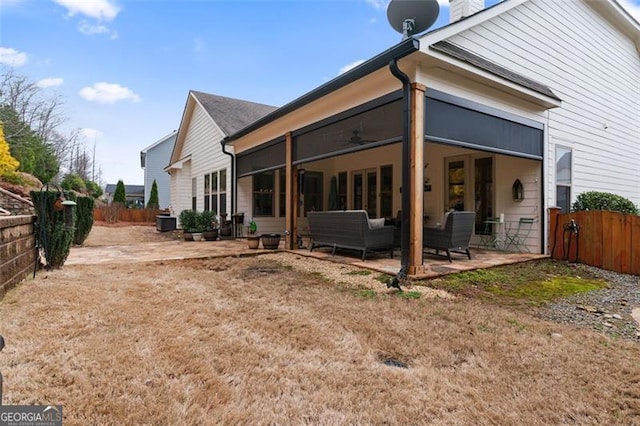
[8, 164]
[120, 195]
[153, 203]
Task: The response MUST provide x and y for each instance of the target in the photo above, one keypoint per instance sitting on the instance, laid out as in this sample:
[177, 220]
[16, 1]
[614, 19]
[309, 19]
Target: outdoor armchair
[454, 236]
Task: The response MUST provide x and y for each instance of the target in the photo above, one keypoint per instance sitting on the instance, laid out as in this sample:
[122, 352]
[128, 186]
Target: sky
[124, 68]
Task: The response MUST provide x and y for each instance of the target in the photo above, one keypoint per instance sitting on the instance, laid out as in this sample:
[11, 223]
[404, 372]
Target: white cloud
[49, 82]
[350, 66]
[87, 28]
[12, 57]
[633, 7]
[90, 133]
[102, 10]
[108, 93]
[378, 4]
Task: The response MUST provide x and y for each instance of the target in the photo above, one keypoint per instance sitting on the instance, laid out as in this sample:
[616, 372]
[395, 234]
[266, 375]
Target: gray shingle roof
[231, 114]
[128, 189]
[459, 53]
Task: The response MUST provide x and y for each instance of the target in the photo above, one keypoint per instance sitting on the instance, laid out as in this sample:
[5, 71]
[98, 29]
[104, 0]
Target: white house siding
[202, 142]
[157, 158]
[594, 68]
[181, 178]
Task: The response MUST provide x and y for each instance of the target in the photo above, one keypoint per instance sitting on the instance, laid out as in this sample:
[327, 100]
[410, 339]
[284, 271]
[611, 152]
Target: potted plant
[209, 225]
[189, 223]
[253, 239]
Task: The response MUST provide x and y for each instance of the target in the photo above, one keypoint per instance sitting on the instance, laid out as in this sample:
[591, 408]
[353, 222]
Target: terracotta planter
[188, 236]
[253, 241]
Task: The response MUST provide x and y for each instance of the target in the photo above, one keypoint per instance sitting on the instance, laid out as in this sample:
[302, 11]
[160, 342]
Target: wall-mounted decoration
[517, 191]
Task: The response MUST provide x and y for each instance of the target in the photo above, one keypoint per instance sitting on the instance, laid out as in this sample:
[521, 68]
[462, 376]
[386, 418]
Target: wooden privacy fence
[606, 239]
[115, 213]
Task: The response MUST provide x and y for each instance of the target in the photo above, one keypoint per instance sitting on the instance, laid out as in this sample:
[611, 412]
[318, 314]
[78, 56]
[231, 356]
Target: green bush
[84, 219]
[53, 236]
[73, 181]
[93, 188]
[189, 220]
[208, 220]
[594, 200]
[120, 196]
[153, 203]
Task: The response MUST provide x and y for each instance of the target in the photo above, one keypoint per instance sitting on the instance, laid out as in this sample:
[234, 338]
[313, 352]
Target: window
[214, 193]
[194, 192]
[207, 191]
[483, 181]
[263, 186]
[563, 178]
[386, 191]
[222, 193]
[282, 190]
[312, 191]
[342, 190]
[456, 185]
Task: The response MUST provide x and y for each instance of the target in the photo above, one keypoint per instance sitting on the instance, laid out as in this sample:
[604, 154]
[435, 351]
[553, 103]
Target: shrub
[84, 219]
[594, 200]
[120, 196]
[153, 203]
[208, 220]
[189, 220]
[73, 181]
[93, 188]
[53, 235]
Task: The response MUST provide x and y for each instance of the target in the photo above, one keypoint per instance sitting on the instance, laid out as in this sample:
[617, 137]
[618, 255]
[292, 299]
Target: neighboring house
[200, 171]
[539, 93]
[153, 159]
[133, 193]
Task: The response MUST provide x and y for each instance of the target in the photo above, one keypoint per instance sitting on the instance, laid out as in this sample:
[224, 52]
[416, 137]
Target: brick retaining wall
[17, 250]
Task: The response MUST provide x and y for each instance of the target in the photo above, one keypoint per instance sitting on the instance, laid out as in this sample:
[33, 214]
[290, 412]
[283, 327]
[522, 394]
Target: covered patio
[379, 262]
[413, 133]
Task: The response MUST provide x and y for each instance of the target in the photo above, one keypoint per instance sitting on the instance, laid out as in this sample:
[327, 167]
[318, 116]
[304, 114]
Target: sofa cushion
[376, 223]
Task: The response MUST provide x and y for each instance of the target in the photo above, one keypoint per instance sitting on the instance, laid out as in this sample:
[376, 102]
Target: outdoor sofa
[349, 229]
[454, 236]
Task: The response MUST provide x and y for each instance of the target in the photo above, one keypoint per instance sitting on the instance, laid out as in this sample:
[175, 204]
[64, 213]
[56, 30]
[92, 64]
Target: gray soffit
[231, 114]
[464, 55]
[400, 50]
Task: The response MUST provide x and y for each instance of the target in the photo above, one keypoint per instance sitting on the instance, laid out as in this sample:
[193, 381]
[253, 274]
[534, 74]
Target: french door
[365, 191]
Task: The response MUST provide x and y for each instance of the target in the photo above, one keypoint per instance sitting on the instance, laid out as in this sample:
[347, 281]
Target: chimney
[459, 9]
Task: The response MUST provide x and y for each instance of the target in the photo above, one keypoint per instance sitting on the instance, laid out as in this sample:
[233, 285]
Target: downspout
[223, 143]
[406, 182]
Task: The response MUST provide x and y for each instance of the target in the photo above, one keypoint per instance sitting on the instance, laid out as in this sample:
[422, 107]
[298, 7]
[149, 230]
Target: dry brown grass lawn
[250, 341]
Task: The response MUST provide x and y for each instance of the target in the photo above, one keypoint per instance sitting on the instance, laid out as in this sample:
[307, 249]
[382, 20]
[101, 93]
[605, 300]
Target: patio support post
[416, 172]
[290, 225]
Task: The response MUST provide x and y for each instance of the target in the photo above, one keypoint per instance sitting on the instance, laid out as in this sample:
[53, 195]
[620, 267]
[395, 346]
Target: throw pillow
[376, 223]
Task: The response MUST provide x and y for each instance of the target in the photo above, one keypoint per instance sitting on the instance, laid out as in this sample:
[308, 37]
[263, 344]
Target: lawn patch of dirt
[260, 341]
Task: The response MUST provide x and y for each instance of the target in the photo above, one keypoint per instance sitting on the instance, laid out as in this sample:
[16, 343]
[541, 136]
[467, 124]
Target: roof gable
[232, 114]
[229, 114]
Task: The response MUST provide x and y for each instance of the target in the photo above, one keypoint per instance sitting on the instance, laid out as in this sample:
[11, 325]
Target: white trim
[483, 76]
[178, 164]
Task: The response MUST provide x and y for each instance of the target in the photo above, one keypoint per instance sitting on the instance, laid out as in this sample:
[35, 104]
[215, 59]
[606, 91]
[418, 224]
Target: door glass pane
[456, 185]
[386, 191]
[312, 191]
[483, 192]
[372, 194]
[358, 187]
[342, 190]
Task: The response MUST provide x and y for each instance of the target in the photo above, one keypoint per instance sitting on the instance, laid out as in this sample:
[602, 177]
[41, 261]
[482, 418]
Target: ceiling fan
[356, 139]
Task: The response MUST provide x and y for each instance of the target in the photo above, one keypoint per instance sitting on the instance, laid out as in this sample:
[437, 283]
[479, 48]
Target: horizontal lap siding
[202, 142]
[593, 68]
[156, 160]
